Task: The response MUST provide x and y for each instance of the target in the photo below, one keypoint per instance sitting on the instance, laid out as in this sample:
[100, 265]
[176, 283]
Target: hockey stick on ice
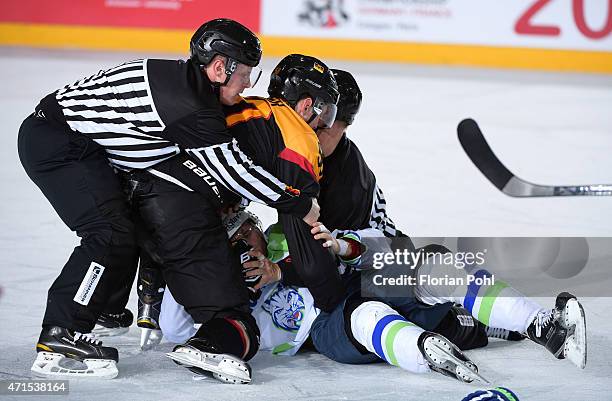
[478, 150]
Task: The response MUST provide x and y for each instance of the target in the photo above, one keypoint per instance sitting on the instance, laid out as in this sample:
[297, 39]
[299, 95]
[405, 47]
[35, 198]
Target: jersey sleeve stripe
[296, 158]
[240, 172]
[222, 174]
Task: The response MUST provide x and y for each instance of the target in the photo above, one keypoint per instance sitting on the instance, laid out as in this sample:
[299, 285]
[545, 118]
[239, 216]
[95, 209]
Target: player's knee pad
[364, 318]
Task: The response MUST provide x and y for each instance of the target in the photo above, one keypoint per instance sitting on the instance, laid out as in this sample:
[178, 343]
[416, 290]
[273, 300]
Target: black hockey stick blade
[481, 154]
[478, 150]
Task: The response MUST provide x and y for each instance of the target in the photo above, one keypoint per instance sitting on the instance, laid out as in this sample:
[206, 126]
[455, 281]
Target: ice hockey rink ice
[547, 128]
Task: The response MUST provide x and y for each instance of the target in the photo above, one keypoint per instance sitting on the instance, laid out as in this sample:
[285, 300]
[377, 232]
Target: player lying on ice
[367, 330]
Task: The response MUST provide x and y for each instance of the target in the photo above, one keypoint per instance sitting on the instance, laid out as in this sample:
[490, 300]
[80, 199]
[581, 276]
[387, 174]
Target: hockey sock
[497, 305]
[232, 336]
[381, 330]
[500, 305]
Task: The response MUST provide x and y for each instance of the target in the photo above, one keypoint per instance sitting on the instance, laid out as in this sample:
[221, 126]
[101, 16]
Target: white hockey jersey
[283, 313]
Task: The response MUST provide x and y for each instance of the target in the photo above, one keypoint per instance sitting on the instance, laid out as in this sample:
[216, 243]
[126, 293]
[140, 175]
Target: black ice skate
[562, 330]
[64, 353]
[113, 324]
[200, 356]
[444, 357]
[150, 294]
[504, 334]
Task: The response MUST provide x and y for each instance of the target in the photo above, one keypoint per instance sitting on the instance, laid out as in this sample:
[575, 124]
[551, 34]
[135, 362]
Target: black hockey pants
[73, 173]
[200, 269]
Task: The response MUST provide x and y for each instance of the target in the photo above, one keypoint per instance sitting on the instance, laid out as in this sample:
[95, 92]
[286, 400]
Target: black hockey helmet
[298, 76]
[228, 38]
[350, 96]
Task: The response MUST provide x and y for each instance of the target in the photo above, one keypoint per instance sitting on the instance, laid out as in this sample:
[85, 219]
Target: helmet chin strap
[311, 119]
[230, 67]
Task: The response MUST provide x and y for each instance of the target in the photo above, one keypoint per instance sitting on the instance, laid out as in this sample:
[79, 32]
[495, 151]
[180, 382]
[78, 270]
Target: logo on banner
[89, 284]
[323, 13]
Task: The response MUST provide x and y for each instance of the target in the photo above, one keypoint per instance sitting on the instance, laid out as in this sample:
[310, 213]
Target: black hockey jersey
[146, 111]
[350, 198]
[278, 139]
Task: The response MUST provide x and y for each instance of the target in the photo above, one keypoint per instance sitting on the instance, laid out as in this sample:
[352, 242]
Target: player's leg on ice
[360, 331]
[381, 330]
[221, 346]
[562, 330]
[73, 173]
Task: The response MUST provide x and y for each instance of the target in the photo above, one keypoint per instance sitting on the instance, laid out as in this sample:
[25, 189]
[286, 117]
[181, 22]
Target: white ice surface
[547, 128]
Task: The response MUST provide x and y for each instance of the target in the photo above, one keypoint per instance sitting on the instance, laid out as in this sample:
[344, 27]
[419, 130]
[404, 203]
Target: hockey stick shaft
[478, 150]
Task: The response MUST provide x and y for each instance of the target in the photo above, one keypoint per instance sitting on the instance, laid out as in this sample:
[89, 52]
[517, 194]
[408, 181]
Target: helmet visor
[327, 114]
[254, 76]
[247, 75]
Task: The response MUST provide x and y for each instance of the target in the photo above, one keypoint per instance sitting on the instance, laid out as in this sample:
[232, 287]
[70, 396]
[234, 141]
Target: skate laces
[88, 338]
[542, 320]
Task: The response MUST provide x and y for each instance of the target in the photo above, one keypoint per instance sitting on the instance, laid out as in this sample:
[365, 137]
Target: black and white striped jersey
[115, 108]
[378, 214]
[146, 111]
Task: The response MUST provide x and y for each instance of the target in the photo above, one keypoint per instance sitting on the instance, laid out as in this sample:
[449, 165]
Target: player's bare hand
[321, 232]
[313, 214]
[269, 271]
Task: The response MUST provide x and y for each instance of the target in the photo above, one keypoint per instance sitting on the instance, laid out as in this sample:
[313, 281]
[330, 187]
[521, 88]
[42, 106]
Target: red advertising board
[165, 14]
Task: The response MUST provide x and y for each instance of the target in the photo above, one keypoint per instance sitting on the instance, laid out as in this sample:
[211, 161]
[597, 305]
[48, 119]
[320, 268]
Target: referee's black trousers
[73, 173]
[198, 265]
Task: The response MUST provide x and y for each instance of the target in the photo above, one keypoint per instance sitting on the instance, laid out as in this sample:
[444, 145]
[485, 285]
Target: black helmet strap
[230, 67]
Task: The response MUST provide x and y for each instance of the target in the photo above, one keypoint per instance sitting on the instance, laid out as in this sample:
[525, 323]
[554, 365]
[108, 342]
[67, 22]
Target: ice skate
[150, 295]
[444, 357]
[562, 330]
[113, 324]
[148, 321]
[63, 353]
[199, 356]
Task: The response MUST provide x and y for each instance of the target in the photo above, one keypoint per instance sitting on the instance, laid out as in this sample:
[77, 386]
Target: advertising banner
[158, 14]
[549, 24]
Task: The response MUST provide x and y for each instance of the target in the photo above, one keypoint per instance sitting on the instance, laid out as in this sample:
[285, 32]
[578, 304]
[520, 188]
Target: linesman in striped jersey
[278, 134]
[132, 117]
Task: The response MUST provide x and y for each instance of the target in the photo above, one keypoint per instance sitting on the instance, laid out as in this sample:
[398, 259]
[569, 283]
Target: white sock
[497, 305]
[382, 331]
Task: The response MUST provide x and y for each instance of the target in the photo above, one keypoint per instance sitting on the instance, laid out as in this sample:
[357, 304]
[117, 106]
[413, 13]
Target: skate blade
[223, 367]
[47, 365]
[147, 323]
[442, 355]
[101, 331]
[149, 338]
[574, 319]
